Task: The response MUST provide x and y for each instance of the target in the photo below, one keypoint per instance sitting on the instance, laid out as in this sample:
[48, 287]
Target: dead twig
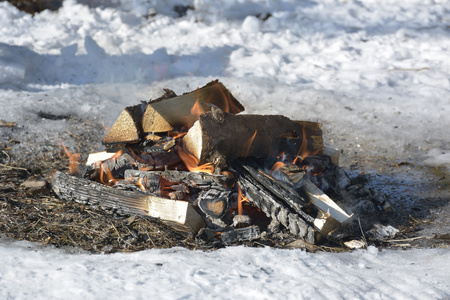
[362, 232]
[4, 123]
[14, 168]
[415, 70]
[410, 239]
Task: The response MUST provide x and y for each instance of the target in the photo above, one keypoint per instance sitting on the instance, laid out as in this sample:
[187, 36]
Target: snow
[235, 272]
[375, 73]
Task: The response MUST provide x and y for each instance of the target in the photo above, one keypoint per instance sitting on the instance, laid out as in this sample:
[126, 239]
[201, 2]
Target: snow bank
[229, 273]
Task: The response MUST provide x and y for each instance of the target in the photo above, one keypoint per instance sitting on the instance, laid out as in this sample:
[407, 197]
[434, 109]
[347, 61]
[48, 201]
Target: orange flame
[229, 105]
[191, 162]
[110, 180]
[249, 143]
[241, 199]
[117, 154]
[141, 185]
[74, 164]
[277, 165]
[303, 152]
[176, 134]
[197, 109]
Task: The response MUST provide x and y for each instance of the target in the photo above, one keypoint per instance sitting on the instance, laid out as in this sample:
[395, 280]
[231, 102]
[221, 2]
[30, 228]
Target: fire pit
[198, 164]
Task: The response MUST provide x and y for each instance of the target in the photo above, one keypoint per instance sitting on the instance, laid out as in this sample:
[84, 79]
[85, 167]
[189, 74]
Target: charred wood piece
[240, 235]
[192, 179]
[278, 188]
[214, 203]
[271, 206]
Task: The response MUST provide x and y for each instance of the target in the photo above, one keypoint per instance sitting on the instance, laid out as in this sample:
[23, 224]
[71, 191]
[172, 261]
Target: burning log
[178, 214]
[281, 190]
[218, 137]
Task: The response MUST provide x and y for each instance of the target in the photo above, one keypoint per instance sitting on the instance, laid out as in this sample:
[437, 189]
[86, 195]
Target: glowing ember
[74, 164]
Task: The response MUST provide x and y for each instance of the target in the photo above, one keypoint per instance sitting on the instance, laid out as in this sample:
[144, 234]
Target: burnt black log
[274, 208]
[280, 189]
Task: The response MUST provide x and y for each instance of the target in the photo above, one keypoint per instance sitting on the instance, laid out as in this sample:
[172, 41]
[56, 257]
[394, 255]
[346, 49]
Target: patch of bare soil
[419, 195]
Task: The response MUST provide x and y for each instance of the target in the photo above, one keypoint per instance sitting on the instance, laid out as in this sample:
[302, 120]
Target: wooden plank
[323, 202]
[178, 214]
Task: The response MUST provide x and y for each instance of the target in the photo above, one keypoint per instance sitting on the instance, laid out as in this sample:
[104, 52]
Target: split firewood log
[218, 137]
[169, 112]
[182, 111]
[128, 126]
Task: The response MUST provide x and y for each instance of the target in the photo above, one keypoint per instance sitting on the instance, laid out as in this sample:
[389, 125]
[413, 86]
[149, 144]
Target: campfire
[197, 163]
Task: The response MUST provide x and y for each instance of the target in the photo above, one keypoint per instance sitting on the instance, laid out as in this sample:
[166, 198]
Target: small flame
[229, 105]
[74, 164]
[109, 180]
[191, 162]
[241, 199]
[176, 134]
[249, 143]
[197, 109]
[140, 184]
[277, 165]
[117, 154]
[303, 152]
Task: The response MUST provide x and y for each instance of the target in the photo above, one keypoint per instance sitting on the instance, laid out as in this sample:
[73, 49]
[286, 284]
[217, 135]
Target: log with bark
[218, 137]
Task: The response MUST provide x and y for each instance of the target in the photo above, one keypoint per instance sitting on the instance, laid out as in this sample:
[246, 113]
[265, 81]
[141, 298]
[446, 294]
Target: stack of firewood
[197, 163]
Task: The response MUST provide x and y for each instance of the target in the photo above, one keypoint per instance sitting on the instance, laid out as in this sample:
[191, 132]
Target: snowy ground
[375, 73]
